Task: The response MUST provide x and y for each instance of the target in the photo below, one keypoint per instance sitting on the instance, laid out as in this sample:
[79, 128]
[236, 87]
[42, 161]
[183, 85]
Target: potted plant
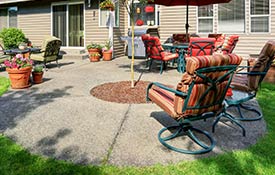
[12, 37]
[19, 69]
[94, 57]
[107, 4]
[107, 51]
[37, 74]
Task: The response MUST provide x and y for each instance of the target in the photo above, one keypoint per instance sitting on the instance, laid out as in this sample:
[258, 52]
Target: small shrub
[12, 37]
[38, 68]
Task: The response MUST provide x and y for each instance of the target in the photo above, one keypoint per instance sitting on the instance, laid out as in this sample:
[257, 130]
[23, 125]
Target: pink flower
[18, 61]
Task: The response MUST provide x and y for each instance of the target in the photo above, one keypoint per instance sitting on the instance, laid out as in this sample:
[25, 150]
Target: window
[104, 16]
[205, 19]
[8, 17]
[259, 11]
[231, 17]
[68, 24]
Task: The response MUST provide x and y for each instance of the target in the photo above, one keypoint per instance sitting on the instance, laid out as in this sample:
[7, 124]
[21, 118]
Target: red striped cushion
[194, 63]
[164, 99]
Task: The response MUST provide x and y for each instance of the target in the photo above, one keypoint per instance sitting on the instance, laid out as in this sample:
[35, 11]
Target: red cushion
[197, 44]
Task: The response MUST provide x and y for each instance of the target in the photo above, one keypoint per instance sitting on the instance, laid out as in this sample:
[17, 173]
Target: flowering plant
[18, 61]
[107, 46]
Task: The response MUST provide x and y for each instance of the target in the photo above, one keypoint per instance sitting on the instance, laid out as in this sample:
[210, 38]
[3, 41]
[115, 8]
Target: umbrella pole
[187, 24]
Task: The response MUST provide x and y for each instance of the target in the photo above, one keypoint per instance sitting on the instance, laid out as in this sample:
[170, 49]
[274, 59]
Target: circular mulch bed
[121, 92]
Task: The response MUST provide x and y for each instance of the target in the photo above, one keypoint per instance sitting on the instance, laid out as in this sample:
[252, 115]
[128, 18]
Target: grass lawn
[258, 159]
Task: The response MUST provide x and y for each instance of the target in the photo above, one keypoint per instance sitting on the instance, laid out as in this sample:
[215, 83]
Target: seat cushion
[166, 56]
[164, 99]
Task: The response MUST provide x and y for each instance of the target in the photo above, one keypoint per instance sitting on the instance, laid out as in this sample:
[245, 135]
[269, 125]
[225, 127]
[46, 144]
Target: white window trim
[67, 3]
[8, 16]
[99, 16]
[204, 17]
[264, 15]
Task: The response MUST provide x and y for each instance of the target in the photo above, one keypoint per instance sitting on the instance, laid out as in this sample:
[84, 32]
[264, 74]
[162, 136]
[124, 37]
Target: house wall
[35, 21]
[172, 20]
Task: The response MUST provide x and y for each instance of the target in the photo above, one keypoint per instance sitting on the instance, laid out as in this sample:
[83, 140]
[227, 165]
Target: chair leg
[57, 63]
[150, 64]
[231, 118]
[185, 129]
[258, 116]
[162, 66]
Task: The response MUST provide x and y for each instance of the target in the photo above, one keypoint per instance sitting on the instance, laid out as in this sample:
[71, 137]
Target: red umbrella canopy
[187, 2]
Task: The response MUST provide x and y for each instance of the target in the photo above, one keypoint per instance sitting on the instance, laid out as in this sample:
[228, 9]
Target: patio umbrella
[187, 3]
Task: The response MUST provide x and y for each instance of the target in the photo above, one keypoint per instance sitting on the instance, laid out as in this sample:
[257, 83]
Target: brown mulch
[121, 92]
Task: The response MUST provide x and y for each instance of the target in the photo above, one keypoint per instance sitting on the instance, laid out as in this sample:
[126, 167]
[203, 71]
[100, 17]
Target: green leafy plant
[38, 68]
[94, 46]
[12, 37]
[107, 4]
[95, 54]
[108, 45]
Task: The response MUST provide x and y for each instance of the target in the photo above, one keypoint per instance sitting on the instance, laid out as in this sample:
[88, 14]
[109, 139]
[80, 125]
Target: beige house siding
[35, 22]
[172, 20]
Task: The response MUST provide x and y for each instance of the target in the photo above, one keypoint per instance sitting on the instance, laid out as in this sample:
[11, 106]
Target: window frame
[262, 15]
[205, 17]
[8, 16]
[116, 17]
[67, 20]
[157, 20]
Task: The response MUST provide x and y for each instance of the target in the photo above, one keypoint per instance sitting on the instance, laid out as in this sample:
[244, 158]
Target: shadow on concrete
[16, 104]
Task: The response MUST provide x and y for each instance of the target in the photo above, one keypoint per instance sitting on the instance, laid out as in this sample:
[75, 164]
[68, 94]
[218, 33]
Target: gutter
[13, 1]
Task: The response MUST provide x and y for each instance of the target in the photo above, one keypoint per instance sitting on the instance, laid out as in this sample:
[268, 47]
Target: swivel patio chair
[230, 44]
[201, 46]
[245, 84]
[220, 38]
[155, 51]
[49, 51]
[199, 95]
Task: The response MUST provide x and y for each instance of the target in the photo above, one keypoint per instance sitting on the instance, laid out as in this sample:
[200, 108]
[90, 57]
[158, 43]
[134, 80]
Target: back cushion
[194, 63]
[230, 43]
[179, 38]
[156, 49]
[265, 58]
[201, 46]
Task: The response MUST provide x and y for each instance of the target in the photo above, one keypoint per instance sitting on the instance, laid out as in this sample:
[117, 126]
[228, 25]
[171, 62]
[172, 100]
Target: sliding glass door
[68, 24]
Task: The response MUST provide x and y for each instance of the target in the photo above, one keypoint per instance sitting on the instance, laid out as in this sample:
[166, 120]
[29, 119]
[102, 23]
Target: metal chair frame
[202, 48]
[184, 124]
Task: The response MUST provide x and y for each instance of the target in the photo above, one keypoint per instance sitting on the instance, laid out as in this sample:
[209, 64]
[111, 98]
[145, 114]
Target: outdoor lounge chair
[155, 51]
[49, 51]
[245, 84]
[230, 44]
[201, 46]
[199, 95]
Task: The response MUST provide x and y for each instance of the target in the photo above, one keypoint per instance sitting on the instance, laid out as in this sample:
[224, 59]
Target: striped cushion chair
[245, 84]
[201, 46]
[155, 51]
[199, 95]
[230, 44]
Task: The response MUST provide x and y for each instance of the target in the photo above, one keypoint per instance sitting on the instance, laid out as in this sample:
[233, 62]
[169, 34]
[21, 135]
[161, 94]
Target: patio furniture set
[203, 89]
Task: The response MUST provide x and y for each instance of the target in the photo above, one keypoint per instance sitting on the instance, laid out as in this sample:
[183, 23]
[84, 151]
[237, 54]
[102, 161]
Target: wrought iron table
[181, 49]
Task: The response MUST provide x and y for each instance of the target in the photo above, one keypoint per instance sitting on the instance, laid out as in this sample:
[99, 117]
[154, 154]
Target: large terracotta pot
[20, 78]
[37, 77]
[107, 55]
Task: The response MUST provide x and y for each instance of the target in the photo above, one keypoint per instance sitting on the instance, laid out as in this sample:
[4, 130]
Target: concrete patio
[59, 118]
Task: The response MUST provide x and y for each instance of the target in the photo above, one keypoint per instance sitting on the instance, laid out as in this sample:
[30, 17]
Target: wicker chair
[49, 51]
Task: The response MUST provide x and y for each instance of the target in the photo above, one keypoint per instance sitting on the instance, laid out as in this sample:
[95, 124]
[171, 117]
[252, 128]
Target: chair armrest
[182, 94]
